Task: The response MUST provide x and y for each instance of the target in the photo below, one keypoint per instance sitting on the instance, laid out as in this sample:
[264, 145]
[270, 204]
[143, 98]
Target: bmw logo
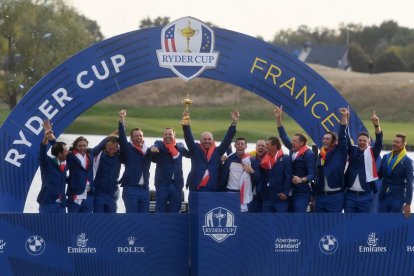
[35, 245]
[328, 244]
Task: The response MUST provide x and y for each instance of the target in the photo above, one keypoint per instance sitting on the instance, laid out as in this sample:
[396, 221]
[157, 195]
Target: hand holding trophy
[185, 121]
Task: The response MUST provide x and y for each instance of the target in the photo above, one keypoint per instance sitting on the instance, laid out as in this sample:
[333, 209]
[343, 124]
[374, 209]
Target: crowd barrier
[214, 238]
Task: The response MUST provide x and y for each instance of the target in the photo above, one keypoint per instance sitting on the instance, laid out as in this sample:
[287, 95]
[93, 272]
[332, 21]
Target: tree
[148, 22]
[389, 62]
[359, 60]
[39, 35]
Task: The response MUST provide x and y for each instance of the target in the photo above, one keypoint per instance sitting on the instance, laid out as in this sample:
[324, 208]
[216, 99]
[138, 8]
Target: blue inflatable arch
[157, 53]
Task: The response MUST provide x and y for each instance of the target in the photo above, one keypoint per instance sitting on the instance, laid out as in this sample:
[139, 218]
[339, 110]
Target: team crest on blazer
[187, 48]
[219, 224]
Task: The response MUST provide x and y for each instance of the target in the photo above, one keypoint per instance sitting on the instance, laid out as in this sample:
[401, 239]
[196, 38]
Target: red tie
[62, 167]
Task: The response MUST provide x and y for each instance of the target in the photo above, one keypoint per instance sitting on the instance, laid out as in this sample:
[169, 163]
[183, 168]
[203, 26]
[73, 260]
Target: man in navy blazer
[303, 165]
[206, 157]
[52, 197]
[135, 179]
[330, 167]
[396, 172]
[361, 173]
[169, 180]
[276, 167]
[106, 167]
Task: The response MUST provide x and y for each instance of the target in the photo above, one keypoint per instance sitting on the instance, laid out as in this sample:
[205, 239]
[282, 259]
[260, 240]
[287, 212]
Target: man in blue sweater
[206, 157]
[169, 180]
[303, 165]
[106, 168]
[396, 172]
[52, 198]
[135, 179]
[361, 173]
[330, 167]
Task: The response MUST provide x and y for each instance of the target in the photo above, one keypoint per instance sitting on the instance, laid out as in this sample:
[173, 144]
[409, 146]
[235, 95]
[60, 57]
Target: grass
[254, 124]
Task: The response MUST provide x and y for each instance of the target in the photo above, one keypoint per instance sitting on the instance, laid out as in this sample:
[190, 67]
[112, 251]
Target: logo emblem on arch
[187, 48]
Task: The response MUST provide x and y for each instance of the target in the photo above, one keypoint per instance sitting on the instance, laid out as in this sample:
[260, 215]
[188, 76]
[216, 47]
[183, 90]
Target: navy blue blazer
[334, 166]
[167, 166]
[399, 182]
[356, 164]
[136, 164]
[53, 179]
[106, 177]
[78, 175]
[302, 166]
[199, 162]
[277, 179]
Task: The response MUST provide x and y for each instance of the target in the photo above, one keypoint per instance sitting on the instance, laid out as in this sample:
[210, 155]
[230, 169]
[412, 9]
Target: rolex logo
[131, 241]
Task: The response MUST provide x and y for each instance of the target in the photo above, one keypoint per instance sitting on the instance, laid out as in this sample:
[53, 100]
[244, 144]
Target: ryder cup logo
[328, 244]
[187, 48]
[219, 224]
[35, 245]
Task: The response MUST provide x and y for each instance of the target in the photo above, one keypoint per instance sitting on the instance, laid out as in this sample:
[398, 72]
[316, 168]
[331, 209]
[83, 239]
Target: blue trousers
[300, 201]
[85, 207]
[54, 207]
[357, 203]
[136, 199]
[104, 203]
[255, 206]
[333, 203]
[275, 206]
[390, 204]
[168, 198]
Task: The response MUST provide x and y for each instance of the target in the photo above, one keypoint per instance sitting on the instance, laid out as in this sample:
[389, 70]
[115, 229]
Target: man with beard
[241, 173]
[205, 156]
[396, 172]
[329, 183]
[361, 173]
[135, 179]
[303, 163]
[169, 180]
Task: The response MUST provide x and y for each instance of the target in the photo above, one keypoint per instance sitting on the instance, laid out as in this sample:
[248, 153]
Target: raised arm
[188, 135]
[121, 129]
[225, 144]
[378, 135]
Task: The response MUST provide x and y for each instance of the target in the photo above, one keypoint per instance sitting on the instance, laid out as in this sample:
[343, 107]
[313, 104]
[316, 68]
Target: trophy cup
[188, 32]
[185, 121]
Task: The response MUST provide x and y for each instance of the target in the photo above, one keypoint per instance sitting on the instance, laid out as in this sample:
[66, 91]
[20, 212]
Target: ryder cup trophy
[188, 33]
[185, 121]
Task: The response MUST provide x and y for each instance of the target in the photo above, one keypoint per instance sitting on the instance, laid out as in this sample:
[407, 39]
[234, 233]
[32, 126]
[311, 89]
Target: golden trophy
[188, 32]
[185, 121]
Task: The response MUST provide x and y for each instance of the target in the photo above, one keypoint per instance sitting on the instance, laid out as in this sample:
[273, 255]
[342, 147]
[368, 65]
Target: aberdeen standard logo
[187, 48]
[219, 224]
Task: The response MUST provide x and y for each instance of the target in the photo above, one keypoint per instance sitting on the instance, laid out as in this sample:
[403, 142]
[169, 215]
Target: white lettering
[79, 80]
[105, 67]
[23, 140]
[117, 64]
[13, 156]
[46, 110]
[37, 120]
[60, 98]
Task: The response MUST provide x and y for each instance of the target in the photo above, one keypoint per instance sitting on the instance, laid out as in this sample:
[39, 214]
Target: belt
[330, 192]
[358, 192]
[232, 190]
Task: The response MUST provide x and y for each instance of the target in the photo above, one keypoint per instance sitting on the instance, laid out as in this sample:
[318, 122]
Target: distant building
[335, 56]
